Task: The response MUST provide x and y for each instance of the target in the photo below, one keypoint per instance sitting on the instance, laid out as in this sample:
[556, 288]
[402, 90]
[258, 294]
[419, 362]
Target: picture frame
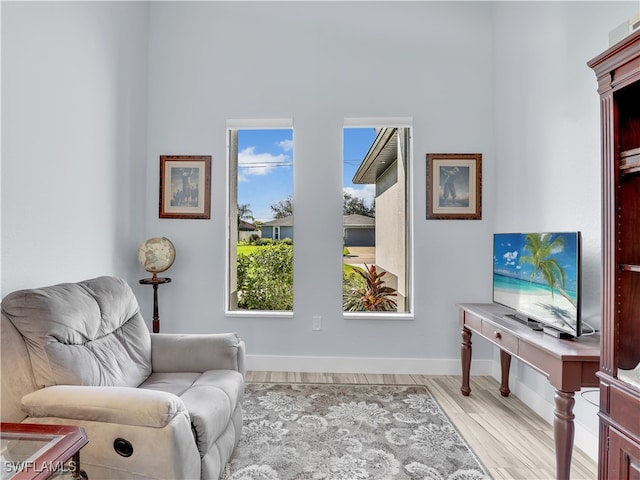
[454, 186]
[185, 186]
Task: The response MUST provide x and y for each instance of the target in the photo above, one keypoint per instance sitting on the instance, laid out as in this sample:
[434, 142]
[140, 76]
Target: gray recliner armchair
[161, 406]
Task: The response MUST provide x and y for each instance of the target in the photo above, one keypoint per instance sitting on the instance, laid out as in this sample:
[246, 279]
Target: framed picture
[185, 186]
[454, 186]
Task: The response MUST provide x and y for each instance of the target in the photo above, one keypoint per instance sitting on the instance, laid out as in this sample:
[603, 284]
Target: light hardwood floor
[511, 440]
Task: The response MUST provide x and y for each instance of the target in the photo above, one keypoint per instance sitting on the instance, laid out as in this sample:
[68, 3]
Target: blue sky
[265, 167]
[356, 143]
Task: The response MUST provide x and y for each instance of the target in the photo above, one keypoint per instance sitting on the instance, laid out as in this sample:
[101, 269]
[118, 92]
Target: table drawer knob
[497, 334]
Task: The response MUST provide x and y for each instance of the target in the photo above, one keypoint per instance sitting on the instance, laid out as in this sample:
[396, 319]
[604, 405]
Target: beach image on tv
[537, 274]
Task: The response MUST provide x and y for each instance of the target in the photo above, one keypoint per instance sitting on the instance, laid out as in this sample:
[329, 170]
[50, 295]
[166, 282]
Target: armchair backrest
[85, 333]
[17, 375]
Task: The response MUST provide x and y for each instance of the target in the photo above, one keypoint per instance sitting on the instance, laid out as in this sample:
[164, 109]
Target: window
[376, 227]
[260, 216]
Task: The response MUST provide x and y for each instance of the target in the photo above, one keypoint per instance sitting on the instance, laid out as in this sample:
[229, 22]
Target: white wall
[547, 119]
[318, 63]
[73, 140]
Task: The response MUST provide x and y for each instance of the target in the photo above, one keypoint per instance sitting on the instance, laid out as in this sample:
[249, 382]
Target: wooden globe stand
[155, 280]
[156, 255]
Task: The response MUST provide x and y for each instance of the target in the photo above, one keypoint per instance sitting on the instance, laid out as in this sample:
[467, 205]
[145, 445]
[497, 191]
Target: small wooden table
[35, 451]
[155, 281]
[569, 365]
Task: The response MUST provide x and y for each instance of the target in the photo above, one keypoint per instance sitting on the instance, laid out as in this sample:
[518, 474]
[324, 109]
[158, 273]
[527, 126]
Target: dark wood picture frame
[454, 186]
[185, 186]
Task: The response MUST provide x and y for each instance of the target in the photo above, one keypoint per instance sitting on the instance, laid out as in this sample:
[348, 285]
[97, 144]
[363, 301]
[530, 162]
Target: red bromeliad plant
[375, 296]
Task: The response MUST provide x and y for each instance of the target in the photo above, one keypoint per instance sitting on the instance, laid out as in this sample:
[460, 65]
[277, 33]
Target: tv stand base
[557, 334]
[532, 324]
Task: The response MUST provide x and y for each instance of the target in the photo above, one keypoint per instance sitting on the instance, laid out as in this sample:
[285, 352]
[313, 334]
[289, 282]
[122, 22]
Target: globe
[156, 255]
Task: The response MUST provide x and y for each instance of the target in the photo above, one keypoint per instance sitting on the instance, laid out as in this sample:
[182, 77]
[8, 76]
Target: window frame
[400, 123]
[232, 127]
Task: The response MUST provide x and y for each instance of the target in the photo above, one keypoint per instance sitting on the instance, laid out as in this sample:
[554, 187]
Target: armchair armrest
[121, 405]
[197, 352]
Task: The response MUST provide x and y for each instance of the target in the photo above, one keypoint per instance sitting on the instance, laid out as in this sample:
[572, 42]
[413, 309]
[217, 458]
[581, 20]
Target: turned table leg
[156, 315]
[563, 432]
[505, 366]
[155, 281]
[465, 356]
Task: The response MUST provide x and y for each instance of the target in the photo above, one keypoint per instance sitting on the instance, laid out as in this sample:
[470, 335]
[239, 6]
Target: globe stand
[155, 280]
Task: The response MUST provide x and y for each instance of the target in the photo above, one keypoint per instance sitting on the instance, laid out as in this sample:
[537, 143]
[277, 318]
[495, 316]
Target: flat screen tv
[538, 276]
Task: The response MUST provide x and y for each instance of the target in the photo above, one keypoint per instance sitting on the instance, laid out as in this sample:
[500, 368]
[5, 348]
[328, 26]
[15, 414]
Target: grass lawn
[348, 269]
[247, 249]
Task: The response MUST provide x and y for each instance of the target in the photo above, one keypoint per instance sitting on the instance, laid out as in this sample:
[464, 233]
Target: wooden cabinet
[623, 463]
[618, 74]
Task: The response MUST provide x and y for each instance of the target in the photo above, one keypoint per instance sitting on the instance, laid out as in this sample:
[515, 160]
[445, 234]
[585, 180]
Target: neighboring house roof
[348, 221]
[361, 221]
[280, 222]
[246, 226]
[383, 152]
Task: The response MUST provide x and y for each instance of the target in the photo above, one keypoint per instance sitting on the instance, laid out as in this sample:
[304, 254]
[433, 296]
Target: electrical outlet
[316, 322]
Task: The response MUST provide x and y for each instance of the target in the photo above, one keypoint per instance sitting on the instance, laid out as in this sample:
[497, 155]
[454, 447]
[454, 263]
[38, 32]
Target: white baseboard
[410, 366]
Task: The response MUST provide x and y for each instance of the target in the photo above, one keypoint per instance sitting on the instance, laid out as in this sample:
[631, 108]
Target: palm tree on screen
[541, 247]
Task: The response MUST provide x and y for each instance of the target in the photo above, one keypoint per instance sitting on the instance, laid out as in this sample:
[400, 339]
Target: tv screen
[538, 276]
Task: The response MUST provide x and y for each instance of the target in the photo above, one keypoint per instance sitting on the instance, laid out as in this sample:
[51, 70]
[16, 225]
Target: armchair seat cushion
[210, 398]
[175, 382]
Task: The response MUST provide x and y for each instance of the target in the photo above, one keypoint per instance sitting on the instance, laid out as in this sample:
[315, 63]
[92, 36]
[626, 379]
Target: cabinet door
[624, 457]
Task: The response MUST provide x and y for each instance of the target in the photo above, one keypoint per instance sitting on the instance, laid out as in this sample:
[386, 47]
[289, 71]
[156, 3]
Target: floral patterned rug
[348, 432]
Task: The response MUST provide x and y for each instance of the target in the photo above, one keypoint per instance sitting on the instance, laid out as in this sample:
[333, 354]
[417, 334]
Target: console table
[569, 365]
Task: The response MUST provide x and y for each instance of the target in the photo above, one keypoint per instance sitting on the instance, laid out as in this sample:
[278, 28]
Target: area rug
[348, 432]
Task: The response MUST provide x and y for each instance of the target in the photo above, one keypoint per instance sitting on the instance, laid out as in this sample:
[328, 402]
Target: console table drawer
[501, 338]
